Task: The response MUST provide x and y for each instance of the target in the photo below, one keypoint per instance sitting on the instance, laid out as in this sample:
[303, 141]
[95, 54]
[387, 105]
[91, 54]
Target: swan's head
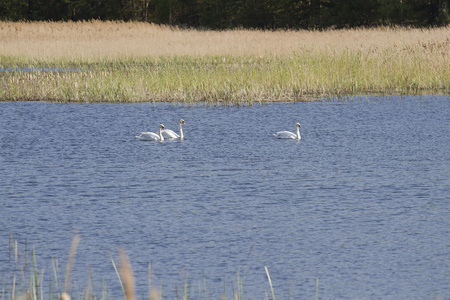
[162, 126]
[298, 124]
[182, 122]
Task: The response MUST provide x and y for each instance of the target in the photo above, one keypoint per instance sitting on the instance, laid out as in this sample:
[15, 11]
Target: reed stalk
[70, 263]
[118, 274]
[317, 288]
[126, 273]
[270, 283]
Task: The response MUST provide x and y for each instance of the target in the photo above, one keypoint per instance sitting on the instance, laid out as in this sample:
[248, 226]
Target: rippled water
[361, 202]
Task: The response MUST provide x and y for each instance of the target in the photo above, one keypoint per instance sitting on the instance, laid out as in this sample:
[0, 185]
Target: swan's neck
[161, 138]
[181, 131]
[298, 133]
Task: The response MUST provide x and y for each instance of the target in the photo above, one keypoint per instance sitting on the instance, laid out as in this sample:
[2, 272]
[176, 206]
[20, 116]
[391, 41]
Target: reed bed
[135, 62]
[27, 281]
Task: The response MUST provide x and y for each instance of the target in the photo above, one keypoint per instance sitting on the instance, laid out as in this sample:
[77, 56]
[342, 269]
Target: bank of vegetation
[134, 61]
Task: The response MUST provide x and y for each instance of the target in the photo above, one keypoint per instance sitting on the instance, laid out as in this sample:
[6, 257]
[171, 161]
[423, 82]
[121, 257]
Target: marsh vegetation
[136, 62]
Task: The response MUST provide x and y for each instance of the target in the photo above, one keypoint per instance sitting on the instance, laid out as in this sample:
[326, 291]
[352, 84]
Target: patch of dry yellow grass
[114, 40]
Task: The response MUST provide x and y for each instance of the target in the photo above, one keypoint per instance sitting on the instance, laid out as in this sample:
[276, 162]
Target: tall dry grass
[122, 62]
[100, 40]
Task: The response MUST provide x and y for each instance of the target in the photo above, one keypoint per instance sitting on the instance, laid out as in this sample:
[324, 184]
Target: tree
[351, 13]
[391, 12]
[222, 14]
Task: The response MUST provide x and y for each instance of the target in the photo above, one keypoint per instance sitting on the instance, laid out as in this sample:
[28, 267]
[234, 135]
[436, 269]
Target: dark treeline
[223, 14]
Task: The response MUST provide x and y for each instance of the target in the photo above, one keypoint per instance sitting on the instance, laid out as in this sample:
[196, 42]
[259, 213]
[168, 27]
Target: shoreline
[142, 62]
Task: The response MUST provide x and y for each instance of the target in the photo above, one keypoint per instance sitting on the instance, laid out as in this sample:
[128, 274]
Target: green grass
[227, 79]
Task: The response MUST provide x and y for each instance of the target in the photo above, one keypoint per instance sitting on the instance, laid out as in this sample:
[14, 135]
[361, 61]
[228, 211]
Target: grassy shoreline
[340, 63]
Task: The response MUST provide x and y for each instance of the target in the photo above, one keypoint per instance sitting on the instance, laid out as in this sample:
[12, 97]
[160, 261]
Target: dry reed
[126, 273]
[119, 40]
[73, 250]
[122, 62]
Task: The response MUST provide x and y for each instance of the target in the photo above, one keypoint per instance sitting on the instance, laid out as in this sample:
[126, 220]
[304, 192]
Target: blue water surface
[360, 203]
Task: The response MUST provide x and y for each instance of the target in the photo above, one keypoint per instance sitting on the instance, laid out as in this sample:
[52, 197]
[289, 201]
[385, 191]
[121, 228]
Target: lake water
[361, 202]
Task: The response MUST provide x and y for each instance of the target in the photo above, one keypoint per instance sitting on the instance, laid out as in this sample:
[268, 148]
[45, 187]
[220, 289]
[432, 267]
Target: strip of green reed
[118, 274]
[227, 79]
[55, 273]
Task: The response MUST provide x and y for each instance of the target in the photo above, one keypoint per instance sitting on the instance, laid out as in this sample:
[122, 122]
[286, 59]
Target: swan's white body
[170, 134]
[288, 134]
[151, 136]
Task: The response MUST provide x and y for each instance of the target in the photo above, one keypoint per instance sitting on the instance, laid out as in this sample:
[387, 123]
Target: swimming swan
[151, 136]
[288, 134]
[169, 134]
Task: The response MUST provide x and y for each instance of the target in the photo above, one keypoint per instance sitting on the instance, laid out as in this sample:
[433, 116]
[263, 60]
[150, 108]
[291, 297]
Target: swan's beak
[184, 123]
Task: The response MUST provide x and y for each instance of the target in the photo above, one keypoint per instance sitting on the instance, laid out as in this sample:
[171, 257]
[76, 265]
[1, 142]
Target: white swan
[288, 134]
[170, 134]
[151, 136]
